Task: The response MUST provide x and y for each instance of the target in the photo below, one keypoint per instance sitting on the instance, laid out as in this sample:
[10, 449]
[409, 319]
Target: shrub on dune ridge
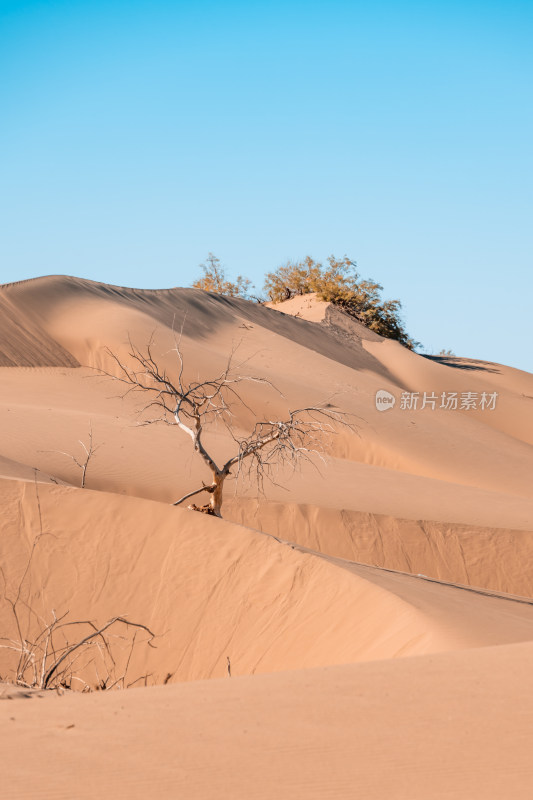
[339, 283]
[214, 280]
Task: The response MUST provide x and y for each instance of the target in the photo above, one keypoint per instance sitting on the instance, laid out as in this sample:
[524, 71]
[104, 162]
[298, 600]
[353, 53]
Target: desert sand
[364, 627]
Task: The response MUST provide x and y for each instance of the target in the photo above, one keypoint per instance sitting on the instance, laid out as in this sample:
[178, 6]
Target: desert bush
[294, 278]
[339, 282]
[214, 280]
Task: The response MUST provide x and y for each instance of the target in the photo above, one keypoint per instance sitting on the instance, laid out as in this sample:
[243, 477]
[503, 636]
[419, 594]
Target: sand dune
[454, 725]
[409, 549]
[212, 590]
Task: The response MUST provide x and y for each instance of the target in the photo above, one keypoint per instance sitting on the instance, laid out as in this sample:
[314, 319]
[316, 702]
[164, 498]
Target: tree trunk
[215, 502]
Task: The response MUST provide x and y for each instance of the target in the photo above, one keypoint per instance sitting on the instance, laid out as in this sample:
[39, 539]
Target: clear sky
[136, 136]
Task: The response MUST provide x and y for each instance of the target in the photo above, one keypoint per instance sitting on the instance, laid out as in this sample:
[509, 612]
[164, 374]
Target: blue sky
[137, 136]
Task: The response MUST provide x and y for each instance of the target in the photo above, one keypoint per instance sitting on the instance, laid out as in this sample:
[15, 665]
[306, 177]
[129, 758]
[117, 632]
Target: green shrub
[214, 280]
[339, 282]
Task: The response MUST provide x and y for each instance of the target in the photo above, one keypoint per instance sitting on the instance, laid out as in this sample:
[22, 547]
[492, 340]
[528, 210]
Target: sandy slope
[212, 590]
[477, 555]
[355, 510]
[24, 343]
[455, 725]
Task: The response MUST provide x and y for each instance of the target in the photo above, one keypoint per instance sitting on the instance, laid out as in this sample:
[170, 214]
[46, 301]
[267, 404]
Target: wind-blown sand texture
[376, 609]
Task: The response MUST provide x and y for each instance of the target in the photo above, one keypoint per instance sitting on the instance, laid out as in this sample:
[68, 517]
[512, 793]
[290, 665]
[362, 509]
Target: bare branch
[209, 489]
[83, 463]
[87, 639]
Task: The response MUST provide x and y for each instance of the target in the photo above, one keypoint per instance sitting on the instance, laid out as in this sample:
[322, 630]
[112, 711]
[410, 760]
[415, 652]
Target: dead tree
[83, 462]
[194, 406]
